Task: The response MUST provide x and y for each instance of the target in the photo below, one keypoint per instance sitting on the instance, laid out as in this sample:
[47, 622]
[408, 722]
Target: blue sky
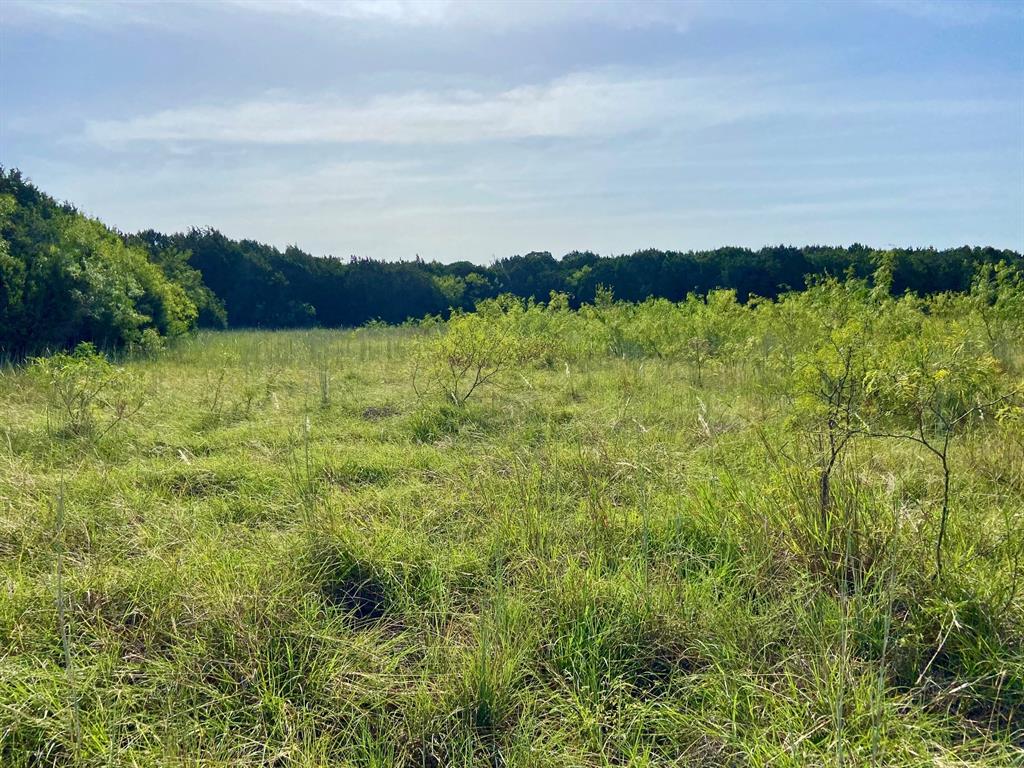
[473, 130]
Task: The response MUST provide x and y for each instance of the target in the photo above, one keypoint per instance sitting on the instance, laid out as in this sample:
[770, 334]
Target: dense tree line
[263, 286]
[66, 278]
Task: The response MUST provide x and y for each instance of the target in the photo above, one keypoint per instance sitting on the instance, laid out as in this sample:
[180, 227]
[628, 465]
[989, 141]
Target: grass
[286, 558]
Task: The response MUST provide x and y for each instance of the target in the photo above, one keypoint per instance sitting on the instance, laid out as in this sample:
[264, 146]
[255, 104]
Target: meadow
[700, 534]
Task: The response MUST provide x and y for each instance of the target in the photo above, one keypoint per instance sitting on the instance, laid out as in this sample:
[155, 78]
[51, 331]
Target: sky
[459, 130]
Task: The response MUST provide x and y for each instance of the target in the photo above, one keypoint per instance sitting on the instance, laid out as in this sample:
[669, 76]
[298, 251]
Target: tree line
[66, 278]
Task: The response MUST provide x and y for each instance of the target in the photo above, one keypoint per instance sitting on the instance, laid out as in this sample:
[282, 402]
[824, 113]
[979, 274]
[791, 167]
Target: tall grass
[608, 562]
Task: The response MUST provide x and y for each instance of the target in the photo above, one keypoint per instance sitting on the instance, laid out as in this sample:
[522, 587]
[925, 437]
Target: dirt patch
[378, 412]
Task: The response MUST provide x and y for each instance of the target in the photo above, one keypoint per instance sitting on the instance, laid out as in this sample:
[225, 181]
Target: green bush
[475, 350]
[89, 395]
[66, 278]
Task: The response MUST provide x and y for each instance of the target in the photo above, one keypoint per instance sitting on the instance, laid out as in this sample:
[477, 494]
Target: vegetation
[65, 278]
[707, 532]
[262, 286]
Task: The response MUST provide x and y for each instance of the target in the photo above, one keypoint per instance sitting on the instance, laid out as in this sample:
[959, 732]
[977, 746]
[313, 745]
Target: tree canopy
[66, 278]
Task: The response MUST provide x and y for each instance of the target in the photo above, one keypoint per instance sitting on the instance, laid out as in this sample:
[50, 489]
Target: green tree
[88, 394]
[475, 349]
[930, 386]
[67, 278]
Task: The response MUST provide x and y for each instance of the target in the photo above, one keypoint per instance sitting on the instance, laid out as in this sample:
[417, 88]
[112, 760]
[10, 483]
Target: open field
[293, 550]
[511, 384]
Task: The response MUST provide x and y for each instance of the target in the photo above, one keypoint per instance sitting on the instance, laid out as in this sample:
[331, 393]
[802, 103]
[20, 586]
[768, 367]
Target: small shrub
[475, 350]
[90, 395]
[149, 343]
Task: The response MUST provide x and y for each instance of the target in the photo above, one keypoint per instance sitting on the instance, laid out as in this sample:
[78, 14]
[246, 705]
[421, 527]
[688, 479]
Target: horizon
[558, 256]
[472, 132]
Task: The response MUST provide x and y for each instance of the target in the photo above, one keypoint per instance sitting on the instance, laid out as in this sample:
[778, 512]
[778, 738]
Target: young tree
[85, 389]
[475, 349]
[829, 374]
[997, 300]
[928, 388]
[709, 329]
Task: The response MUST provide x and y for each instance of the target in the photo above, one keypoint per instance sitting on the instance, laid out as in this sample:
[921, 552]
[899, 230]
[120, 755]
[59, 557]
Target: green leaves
[89, 395]
[476, 349]
[932, 380]
[66, 278]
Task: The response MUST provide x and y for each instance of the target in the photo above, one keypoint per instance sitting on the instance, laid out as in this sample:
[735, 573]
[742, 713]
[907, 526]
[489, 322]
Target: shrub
[90, 395]
[66, 278]
[475, 350]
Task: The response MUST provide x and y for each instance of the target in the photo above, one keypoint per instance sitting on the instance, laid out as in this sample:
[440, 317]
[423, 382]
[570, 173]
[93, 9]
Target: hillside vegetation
[706, 532]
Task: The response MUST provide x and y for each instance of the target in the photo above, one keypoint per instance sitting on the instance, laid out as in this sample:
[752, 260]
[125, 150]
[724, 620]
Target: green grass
[594, 564]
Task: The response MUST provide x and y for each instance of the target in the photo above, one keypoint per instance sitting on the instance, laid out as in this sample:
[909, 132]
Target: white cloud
[501, 13]
[90, 13]
[480, 14]
[956, 13]
[412, 13]
[581, 105]
[396, 11]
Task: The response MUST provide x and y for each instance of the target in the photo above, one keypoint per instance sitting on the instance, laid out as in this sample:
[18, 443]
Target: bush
[90, 395]
[66, 278]
[475, 350]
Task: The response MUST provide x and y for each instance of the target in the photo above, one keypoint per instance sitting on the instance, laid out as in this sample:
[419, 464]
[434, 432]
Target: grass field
[287, 557]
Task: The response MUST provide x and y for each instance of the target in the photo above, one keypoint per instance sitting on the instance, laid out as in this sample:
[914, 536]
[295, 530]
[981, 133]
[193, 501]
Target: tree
[67, 278]
[997, 300]
[85, 389]
[474, 349]
[928, 387]
[830, 375]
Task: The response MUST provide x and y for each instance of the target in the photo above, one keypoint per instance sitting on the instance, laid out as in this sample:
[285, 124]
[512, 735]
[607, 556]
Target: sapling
[90, 394]
[830, 377]
[929, 387]
[997, 300]
[475, 349]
